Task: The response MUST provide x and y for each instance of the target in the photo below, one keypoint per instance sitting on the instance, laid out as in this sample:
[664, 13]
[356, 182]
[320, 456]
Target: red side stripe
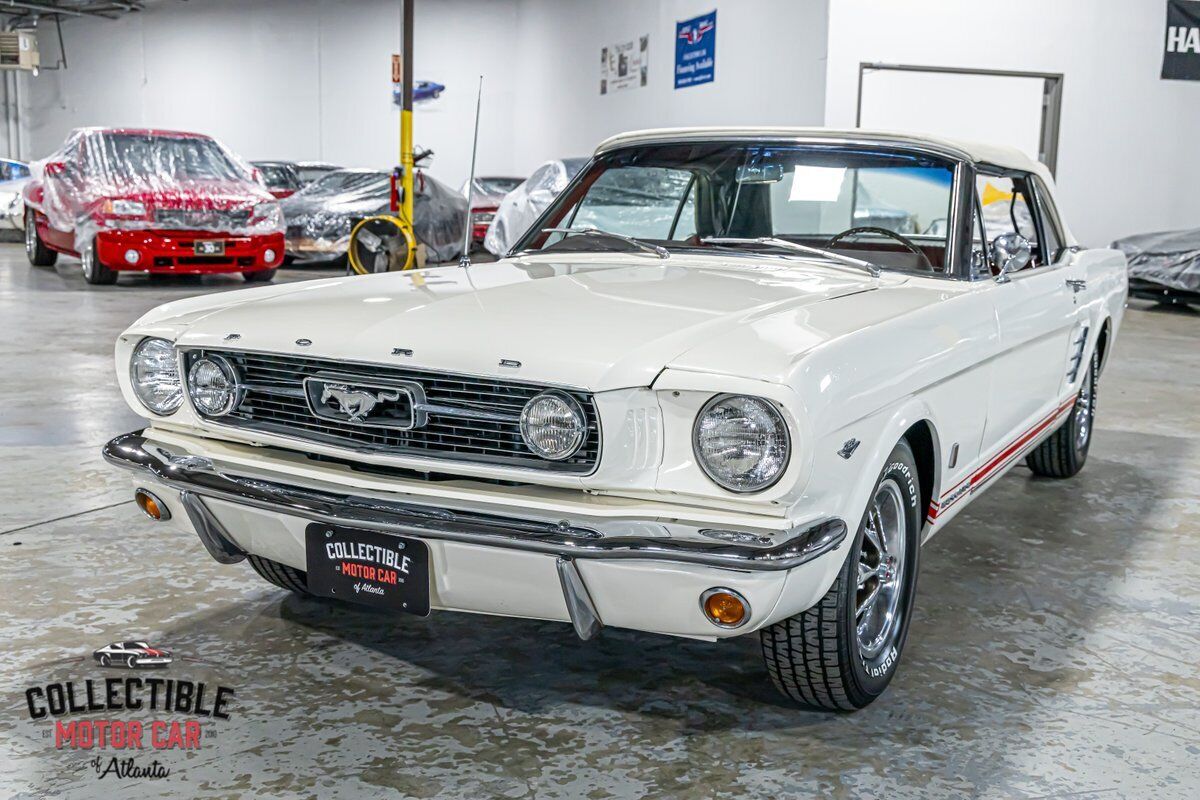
[999, 460]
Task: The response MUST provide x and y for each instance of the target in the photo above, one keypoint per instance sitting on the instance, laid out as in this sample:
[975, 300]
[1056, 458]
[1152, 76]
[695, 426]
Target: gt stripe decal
[990, 469]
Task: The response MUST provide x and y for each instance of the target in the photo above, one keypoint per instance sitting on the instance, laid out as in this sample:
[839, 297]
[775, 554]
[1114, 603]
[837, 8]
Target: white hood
[597, 322]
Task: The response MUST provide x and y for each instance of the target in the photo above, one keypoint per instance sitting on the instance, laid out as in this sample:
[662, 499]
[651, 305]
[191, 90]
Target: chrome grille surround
[467, 418]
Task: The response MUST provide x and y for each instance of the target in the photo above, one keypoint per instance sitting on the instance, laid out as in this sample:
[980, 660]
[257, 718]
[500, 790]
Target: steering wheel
[904, 240]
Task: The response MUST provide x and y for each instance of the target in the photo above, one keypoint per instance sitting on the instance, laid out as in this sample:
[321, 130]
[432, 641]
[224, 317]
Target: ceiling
[29, 11]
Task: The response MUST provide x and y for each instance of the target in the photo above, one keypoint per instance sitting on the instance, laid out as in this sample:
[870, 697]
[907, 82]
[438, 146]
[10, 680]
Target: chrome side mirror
[1011, 252]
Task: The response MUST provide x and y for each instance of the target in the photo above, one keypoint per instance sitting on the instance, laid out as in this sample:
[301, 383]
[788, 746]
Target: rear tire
[281, 575]
[1065, 452]
[94, 272]
[39, 254]
[841, 654]
[259, 276]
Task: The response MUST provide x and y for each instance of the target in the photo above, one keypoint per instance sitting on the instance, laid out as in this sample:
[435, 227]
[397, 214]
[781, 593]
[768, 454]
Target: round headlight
[741, 442]
[213, 386]
[154, 374]
[553, 425]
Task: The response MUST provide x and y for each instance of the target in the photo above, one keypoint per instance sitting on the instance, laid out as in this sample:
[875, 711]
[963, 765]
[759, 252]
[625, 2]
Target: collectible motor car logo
[398, 405]
[127, 713]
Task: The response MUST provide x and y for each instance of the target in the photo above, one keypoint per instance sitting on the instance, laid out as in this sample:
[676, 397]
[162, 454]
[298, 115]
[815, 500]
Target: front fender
[846, 485]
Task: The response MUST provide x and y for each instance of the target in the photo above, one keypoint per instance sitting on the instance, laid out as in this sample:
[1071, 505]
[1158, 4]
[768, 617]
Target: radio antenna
[465, 260]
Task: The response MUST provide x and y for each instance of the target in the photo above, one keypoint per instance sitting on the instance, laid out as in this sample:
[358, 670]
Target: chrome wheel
[30, 235]
[1083, 412]
[881, 571]
[87, 259]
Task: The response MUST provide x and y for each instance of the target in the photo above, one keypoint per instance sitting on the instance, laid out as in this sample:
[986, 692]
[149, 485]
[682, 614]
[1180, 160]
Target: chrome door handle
[1076, 284]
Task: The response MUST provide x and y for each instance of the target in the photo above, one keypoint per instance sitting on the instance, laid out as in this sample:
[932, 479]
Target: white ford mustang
[728, 382]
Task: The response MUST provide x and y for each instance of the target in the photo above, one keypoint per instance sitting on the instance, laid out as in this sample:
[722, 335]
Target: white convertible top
[980, 153]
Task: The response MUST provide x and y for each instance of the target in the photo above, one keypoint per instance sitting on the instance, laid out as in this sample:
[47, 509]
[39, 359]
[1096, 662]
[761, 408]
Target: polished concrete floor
[1054, 650]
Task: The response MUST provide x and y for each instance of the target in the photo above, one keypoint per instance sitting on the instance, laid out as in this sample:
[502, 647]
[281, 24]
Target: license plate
[209, 247]
[375, 569]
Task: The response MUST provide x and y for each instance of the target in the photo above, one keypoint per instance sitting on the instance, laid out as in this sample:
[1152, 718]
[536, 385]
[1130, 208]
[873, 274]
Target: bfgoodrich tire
[281, 575]
[1064, 453]
[841, 654]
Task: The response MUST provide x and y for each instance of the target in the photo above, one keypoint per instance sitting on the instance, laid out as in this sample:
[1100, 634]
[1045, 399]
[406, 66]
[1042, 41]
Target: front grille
[274, 402]
[202, 219]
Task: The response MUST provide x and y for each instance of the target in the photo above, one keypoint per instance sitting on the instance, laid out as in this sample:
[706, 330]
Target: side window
[1055, 241]
[981, 265]
[1006, 209]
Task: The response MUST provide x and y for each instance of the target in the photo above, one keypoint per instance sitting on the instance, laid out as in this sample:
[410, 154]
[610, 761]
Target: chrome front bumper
[583, 537]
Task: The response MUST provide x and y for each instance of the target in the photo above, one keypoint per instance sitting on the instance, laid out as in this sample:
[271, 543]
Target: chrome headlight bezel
[168, 363]
[576, 438]
[233, 391]
[722, 479]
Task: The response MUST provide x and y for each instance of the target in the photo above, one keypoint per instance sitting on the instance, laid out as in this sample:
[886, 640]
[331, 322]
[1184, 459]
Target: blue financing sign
[695, 50]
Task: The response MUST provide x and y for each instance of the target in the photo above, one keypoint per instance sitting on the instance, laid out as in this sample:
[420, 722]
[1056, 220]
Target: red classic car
[154, 201]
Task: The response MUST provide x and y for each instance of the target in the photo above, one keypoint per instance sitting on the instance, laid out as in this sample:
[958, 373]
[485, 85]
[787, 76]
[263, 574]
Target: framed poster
[624, 65]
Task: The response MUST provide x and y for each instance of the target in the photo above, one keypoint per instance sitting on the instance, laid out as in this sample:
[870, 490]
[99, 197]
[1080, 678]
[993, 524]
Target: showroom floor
[1053, 652]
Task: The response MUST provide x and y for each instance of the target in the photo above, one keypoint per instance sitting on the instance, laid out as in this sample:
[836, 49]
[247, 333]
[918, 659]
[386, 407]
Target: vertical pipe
[406, 132]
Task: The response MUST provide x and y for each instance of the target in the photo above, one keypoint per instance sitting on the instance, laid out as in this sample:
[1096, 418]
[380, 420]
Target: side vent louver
[1077, 355]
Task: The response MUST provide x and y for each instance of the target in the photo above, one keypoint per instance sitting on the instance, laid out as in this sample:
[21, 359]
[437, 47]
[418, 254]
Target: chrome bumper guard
[197, 477]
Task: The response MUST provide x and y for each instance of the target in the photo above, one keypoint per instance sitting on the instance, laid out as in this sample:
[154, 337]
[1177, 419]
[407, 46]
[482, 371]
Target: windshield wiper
[654, 249]
[803, 248]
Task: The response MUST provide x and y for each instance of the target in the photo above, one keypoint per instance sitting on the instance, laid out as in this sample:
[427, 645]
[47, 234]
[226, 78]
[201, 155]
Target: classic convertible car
[712, 406]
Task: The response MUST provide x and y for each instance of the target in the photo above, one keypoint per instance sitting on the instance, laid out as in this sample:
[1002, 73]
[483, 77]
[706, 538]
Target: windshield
[346, 181]
[134, 156]
[886, 206]
[277, 176]
[497, 185]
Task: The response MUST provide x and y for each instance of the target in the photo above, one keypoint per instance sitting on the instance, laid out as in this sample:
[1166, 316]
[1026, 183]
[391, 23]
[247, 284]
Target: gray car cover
[1167, 258]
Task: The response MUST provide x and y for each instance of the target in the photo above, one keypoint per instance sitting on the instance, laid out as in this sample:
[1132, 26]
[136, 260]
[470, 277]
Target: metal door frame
[1052, 93]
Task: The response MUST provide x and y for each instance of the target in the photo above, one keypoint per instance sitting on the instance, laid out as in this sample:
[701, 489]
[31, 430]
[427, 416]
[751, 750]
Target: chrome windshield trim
[582, 537]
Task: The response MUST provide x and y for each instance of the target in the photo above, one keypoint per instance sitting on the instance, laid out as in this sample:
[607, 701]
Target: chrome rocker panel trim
[196, 477]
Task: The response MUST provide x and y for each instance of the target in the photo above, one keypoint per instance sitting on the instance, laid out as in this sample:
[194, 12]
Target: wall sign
[1181, 52]
[696, 50]
[624, 65]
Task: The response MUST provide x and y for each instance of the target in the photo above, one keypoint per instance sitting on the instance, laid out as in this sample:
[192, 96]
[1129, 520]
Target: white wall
[288, 79]
[308, 79]
[770, 70]
[1128, 159]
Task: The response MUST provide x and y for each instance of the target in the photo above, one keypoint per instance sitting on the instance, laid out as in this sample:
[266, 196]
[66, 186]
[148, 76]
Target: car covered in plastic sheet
[524, 204]
[485, 195]
[320, 217]
[136, 199]
[1164, 266]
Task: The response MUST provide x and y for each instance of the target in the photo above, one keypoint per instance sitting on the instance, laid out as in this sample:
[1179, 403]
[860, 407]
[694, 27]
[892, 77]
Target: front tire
[259, 276]
[94, 272]
[281, 575]
[105, 661]
[1064, 453]
[39, 255]
[841, 654]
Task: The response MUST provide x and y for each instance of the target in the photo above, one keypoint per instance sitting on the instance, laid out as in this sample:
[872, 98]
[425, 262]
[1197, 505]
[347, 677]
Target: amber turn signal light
[724, 608]
[151, 506]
